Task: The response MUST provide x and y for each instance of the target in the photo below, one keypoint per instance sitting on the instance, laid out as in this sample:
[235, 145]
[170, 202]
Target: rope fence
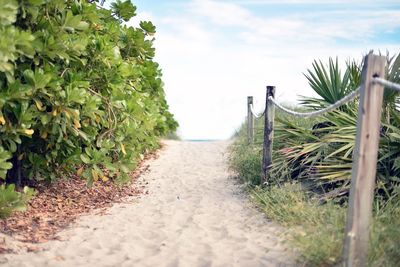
[388, 84]
[348, 98]
[353, 95]
[370, 95]
[257, 116]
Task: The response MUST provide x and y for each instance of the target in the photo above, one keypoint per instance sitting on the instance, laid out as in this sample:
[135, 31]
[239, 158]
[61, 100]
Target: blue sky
[214, 53]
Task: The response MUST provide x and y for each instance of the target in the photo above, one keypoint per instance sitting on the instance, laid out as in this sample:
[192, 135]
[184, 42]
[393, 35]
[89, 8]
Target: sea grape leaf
[148, 27]
[8, 13]
[124, 9]
[72, 22]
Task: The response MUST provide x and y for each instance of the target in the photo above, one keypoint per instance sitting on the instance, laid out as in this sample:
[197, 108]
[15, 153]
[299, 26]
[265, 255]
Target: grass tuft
[316, 231]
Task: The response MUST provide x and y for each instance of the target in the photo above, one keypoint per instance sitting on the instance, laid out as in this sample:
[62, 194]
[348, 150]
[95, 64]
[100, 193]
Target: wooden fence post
[268, 134]
[250, 121]
[365, 157]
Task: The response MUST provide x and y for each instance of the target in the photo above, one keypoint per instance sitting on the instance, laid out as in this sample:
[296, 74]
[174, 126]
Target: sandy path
[194, 215]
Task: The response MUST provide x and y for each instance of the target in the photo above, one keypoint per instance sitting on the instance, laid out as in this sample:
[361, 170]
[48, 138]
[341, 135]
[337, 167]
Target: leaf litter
[56, 206]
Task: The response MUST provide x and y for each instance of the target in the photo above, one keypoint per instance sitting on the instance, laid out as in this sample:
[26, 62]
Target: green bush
[77, 86]
[318, 151]
[11, 200]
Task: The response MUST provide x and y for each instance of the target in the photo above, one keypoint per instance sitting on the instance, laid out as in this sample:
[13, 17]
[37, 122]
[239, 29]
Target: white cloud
[216, 53]
[222, 13]
[311, 27]
[308, 2]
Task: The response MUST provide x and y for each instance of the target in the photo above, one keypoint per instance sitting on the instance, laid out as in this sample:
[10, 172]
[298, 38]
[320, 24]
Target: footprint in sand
[194, 215]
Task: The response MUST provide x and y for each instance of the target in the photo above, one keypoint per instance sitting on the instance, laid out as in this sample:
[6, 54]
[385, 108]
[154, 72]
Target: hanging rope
[316, 113]
[354, 94]
[388, 84]
[254, 113]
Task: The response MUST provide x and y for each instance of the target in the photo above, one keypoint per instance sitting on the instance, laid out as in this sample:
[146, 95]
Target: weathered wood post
[250, 121]
[365, 157]
[268, 133]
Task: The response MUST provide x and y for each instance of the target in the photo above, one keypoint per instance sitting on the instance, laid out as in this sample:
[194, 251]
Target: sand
[195, 214]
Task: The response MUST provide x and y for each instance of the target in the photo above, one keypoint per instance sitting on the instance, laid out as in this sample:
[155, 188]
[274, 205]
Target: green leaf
[9, 10]
[11, 200]
[85, 159]
[124, 9]
[73, 23]
[4, 165]
[148, 27]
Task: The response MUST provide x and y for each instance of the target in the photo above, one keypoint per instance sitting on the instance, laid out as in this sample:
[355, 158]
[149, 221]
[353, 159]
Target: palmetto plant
[391, 98]
[329, 83]
[321, 157]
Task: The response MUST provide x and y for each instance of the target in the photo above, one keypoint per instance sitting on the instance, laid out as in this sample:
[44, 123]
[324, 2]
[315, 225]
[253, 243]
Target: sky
[215, 53]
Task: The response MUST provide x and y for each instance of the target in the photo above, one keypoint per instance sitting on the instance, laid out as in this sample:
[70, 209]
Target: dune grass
[316, 230]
